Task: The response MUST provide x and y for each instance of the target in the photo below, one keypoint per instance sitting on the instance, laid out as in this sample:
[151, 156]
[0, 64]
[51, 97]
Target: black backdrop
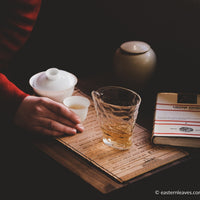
[81, 37]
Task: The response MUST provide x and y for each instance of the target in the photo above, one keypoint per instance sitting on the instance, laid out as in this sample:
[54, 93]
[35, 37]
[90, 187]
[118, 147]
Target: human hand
[43, 115]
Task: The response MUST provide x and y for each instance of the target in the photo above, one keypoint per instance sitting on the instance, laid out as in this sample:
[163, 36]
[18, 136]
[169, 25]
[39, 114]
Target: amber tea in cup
[76, 106]
[117, 110]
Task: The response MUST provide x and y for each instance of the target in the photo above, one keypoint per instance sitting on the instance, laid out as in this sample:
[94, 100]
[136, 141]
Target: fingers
[60, 109]
[45, 131]
[43, 115]
[51, 127]
[60, 119]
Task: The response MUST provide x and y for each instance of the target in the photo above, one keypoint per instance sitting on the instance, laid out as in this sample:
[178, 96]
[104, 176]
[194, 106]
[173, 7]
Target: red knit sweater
[17, 19]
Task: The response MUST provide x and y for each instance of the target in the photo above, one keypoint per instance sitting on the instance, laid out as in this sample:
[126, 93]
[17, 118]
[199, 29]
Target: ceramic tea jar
[134, 62]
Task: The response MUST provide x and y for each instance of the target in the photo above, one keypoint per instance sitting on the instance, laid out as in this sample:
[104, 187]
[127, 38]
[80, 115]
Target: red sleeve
[17, 19]
[10, 97]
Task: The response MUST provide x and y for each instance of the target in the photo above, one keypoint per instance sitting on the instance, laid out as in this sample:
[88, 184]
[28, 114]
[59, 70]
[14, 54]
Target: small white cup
[78, 105]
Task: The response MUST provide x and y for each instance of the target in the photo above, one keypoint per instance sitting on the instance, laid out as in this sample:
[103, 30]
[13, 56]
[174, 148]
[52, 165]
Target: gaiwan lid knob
[135, 47]
[52, 73]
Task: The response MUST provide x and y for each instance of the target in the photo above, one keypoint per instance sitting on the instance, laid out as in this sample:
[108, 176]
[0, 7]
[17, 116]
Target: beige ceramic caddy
[134, 62]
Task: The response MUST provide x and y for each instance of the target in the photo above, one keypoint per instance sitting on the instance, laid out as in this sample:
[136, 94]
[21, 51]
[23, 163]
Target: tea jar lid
[53, 79]
[135, 47]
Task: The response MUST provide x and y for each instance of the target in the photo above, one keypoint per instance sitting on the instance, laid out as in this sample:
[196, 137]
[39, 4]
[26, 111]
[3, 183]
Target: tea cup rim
[85, 99]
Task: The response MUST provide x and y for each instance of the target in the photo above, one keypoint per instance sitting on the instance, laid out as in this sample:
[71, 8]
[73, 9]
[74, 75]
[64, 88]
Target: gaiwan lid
[135, 47]
[53, 79]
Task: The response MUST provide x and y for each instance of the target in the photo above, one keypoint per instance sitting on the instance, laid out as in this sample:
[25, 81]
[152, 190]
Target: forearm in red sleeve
[17, 19]
[10, 97]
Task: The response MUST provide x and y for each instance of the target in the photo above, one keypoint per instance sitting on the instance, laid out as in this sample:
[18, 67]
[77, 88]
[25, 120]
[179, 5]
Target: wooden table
[86, 170]
[47, 170]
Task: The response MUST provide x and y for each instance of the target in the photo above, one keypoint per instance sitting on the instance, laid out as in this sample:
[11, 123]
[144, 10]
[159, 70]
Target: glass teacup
[117, 110]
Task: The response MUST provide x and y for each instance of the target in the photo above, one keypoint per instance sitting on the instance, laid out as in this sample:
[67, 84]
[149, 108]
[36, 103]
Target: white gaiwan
[54, 83]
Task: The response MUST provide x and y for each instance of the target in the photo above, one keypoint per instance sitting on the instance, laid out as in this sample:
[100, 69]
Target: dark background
[81, 37]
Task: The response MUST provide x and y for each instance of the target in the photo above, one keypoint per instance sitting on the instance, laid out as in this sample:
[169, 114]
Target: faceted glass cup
[117, 110]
